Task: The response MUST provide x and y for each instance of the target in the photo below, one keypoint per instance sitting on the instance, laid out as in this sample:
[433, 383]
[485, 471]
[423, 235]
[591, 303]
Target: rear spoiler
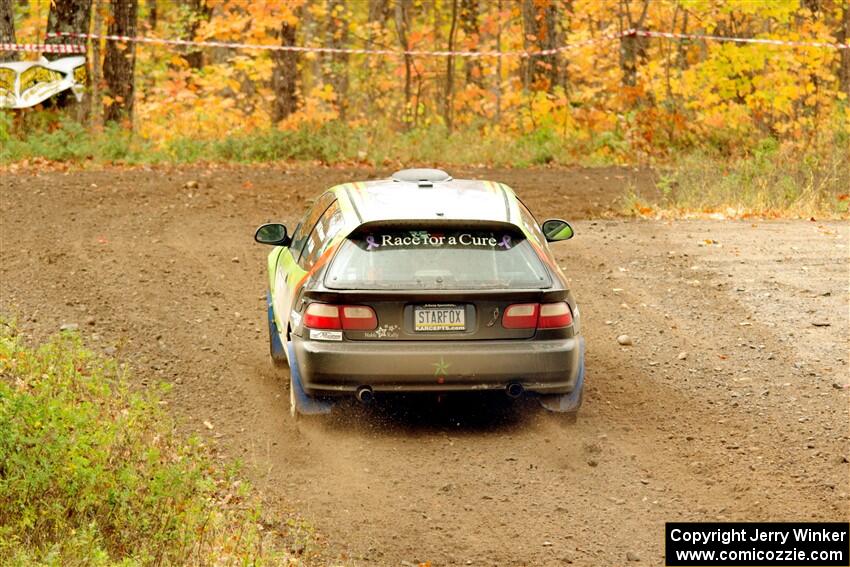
[332, 295]
[435, 223]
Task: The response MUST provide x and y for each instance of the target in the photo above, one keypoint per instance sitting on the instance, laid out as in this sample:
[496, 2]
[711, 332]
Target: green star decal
[441, 368]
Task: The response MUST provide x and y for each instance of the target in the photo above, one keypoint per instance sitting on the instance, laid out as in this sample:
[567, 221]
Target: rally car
[422, 283]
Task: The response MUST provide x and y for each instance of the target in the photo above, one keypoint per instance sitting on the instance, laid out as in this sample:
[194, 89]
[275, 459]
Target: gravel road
[731, 403]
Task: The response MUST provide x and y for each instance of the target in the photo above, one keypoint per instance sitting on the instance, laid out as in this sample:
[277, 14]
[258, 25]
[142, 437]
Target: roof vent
[422, 177]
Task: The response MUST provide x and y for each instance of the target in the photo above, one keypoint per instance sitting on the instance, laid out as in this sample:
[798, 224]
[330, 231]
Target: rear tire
[276, 351]
[299, 418]
[303, 406]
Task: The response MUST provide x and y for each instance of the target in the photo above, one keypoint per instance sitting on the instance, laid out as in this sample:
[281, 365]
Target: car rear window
[432, 259]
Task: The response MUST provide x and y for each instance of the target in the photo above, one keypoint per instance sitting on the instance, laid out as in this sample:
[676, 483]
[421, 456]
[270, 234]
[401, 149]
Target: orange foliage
[687, 93]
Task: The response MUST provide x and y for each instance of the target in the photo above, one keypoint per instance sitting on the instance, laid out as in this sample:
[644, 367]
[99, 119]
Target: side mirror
[273, 234]
[556, 229]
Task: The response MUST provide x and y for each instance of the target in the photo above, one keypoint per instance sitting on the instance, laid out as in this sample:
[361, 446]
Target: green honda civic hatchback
[422, 283]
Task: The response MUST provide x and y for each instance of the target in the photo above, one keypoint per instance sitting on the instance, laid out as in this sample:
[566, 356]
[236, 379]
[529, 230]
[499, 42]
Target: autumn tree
[285, 73]
[195, 12]
[402, 24]
[95, 110]
[377, 14]
[681, 89]
[497, 84]
[337, 69]
[119, 63]
[540, 26]
[448, 99]
[469, 23]
[7, 29]
[153, 14]
[378, 30]
[843, 36]
[67, 16]
[632, 47]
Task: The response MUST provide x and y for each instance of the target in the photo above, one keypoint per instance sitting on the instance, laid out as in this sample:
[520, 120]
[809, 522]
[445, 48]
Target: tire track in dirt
[171, 282]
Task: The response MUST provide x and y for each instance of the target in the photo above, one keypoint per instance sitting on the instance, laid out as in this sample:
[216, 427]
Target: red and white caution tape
[351, 51]
[756, 40]
[42, 48]
[417, 52]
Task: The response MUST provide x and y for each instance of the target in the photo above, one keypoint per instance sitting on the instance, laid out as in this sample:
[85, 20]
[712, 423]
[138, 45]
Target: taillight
[358, 318]
[555, 315]
[348, 317]
[322, 316]
[537, 316]
[521, 316]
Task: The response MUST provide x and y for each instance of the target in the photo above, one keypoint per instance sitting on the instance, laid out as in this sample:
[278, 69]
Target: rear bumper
[546, 367]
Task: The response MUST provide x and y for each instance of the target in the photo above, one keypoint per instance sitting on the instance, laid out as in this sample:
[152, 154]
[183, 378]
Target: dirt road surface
[731, 404]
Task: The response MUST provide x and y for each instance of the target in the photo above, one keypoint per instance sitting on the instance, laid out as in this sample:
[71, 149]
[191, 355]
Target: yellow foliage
[687, 93]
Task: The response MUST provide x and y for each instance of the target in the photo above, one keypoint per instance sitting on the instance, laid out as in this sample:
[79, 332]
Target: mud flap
[276, 346]
[304, 404]
[567, 403]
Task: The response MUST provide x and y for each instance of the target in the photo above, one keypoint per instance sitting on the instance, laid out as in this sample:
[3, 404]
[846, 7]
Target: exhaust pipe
[364, 395]
[514, 390]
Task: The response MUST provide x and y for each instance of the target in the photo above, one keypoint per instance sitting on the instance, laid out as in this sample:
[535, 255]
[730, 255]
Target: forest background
[773, 118]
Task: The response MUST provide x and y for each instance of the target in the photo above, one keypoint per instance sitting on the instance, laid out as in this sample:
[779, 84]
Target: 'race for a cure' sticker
[425, 239]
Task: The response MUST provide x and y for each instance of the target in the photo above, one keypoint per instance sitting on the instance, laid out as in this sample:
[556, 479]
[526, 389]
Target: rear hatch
[444, 283]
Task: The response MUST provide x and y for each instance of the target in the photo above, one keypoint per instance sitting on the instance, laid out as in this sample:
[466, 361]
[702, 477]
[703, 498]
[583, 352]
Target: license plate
[439, 318]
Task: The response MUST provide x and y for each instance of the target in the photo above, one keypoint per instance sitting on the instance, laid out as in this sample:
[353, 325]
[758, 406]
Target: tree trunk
[448, 100]
[311, 72]
[377, 16]
[338, 35]
[812, 5]
[499, 63]
[402, 18]
[632, 47]
[562, 76]
[376, 35]
[153, 15]
[67, 16]
[95, 108]
[843, 36]
[628, 60]
[198, 12]
[119, 64]
[285, 76]
[7, 29]
[539, 20]
[471, 29]
[682, 47]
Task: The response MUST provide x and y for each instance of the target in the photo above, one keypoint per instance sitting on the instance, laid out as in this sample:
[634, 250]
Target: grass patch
[94, 474]
[55, 137]
[773, 181]
[769, 180]
[66, 140]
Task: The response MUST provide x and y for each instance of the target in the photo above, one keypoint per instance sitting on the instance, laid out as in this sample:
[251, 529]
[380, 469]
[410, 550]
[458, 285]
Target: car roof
[427, 194]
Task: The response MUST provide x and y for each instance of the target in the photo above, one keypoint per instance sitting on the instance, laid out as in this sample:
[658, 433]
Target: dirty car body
[422, 283]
